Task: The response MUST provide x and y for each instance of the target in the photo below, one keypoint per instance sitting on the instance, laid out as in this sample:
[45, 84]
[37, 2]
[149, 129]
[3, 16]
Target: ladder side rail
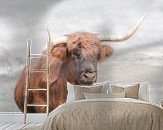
[27, 79]
[48, 71]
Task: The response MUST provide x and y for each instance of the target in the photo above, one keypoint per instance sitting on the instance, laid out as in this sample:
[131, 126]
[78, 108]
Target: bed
[106, 114]
[98, 112]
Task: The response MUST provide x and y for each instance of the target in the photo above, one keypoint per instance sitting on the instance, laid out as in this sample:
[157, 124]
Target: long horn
[59, 40]
[126, 36]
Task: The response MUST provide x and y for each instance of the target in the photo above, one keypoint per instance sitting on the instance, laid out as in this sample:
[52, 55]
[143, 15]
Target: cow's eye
[78, 56]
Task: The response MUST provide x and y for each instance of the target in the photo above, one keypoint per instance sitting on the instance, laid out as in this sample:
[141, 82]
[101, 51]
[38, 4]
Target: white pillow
[144, 91]
[71, 94]
[161, 102]
[71, 91]
[104, 95]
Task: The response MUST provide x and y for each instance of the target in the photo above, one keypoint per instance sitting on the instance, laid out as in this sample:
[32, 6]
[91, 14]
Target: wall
[136, 60]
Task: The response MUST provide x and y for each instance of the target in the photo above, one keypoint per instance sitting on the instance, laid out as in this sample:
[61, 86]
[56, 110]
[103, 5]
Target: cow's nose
[91, 76]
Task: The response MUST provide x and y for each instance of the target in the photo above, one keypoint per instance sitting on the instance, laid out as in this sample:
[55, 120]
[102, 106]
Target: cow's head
[81, 51]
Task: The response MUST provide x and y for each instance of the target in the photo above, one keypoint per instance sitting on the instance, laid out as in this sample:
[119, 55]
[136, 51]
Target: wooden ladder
[30, 70]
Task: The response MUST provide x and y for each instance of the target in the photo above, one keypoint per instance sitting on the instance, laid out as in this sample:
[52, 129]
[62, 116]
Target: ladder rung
[40, 70]
[32, 57]
[37, 89]
[36, 105]
[38, 55]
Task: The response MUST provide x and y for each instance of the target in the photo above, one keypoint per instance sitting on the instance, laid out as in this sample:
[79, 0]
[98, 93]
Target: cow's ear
[60, 51]
[105, 51]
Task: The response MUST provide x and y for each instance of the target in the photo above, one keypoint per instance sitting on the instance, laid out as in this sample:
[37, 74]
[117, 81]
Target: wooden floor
[17, 126]
[15, 120]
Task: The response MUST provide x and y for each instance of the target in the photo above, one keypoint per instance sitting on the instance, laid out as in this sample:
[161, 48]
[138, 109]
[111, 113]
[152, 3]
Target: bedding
[131, 91]
[144, 91]
[143, 94]
[106, 114]
[79, 91]
[104, 95]
[161, 102]
[106, 88]
[70, 95]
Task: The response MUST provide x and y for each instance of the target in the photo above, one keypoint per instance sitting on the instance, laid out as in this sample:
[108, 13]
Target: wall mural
[138, 59]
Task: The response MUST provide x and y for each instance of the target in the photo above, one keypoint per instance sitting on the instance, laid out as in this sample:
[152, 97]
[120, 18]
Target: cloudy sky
[136, 60]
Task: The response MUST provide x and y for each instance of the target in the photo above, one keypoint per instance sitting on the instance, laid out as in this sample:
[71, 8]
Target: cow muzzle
[88, 77]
